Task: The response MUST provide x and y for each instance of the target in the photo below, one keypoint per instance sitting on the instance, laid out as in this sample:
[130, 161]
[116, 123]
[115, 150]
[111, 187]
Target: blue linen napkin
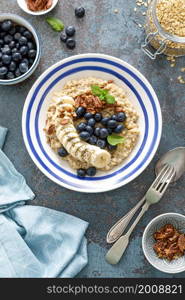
[35, 241]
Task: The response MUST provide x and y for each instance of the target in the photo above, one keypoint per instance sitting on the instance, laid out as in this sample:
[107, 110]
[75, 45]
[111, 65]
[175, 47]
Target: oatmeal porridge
[92, 125]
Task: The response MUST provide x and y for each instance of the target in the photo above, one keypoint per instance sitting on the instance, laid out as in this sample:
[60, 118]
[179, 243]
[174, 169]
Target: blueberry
[12, 44]
[8, 38]
[31, 61]
[6, 25]
[16, 56]
[97, 131]
[25, 60]
[80, 12]
[18, 72]
[119, 128]
[17, 36]
[23, 50]
[3, 71]
[84, 135]
[101, 143]
[1, 43]
[70, 30]
[27, 34]
[111, 147]
[12, 66]
[12, 31]
[91, 171]
[111, 124]
[103, 133]
[6, 50]
[23, 41]
[70, 43]
[81, 172]
[109, 131]
[14, 50]
[121, 117]
[20, 29]
[32, 53]
[81, 127]
[23, 68]
[62, 152]
[63, 37]
[88, 115]
[114, 117]
[10, 75]
[105, 120]
[89, 129]
[6, 59]
[17, 45]
[31, 45]
[92, 140]
[91, 122]
[98, 117]
[80, 111]
[2, 34]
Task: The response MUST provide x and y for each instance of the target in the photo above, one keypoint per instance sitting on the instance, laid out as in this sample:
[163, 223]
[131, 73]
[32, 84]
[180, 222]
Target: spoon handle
[117, 229]
[115, 253]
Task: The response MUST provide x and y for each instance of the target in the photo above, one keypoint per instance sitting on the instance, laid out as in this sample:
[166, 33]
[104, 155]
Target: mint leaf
[110, 99]
[55, 23]
[115, 139]
[102, 94]
[96, 90]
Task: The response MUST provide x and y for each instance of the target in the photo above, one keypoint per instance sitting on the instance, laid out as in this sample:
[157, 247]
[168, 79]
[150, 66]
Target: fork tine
[164, 176]
[160, 175]
[165, 183]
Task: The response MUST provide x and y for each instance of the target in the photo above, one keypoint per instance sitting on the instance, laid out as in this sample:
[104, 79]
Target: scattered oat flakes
[116, 11]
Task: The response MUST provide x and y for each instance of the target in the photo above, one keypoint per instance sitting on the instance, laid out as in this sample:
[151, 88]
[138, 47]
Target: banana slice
[75, 148]
[68, 100]
[64, 99]
[63, 130]
[72, 148]
[66, 107]
[80, 151]
[100, 158]
[69, 139]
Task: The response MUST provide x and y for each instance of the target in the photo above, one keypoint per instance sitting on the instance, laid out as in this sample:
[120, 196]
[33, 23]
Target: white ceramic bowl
[23, 5]
[174, 266]
[21, 21]
[107, 67]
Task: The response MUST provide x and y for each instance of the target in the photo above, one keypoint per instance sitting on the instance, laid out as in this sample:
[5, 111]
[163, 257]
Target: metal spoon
[176, 158]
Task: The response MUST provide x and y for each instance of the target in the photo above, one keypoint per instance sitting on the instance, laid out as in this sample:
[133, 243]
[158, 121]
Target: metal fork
[153, 195]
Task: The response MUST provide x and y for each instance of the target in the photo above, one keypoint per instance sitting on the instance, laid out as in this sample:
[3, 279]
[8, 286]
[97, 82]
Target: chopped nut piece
[170, 244]
[64, 122]
[181, 242]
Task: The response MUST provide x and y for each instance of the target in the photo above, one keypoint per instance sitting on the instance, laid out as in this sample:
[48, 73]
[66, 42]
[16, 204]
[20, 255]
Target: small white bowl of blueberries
[19, 49]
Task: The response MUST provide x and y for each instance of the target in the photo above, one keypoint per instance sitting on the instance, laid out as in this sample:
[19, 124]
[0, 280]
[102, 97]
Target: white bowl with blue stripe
[141, 95]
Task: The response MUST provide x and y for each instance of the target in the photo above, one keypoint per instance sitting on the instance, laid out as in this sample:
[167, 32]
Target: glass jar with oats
[165, 28]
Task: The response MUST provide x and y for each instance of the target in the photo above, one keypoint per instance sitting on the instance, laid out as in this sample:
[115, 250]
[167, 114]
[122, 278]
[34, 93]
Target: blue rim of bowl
[89, 59]
[38, 56]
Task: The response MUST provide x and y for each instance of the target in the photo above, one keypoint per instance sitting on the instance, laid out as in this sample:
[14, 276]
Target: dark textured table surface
[118, 34]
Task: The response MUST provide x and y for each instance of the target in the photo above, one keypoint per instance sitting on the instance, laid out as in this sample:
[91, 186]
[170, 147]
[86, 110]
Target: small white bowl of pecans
[163, 243]
[37, 7]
